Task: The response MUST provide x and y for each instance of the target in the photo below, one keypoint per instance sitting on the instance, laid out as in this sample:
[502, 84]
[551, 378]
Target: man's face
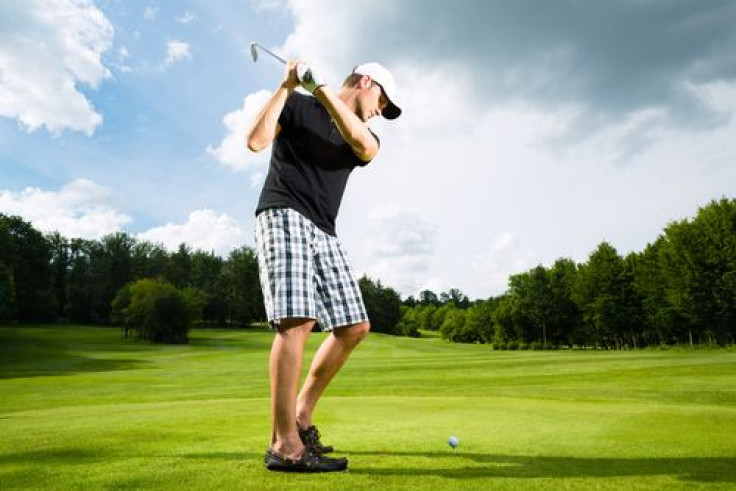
[372, 100]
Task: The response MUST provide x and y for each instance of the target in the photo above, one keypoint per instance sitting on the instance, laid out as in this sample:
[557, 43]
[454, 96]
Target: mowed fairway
[84, 408]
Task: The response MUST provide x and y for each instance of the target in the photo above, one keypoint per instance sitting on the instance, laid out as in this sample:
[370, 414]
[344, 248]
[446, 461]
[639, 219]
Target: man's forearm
[351, 127]
[265, 126]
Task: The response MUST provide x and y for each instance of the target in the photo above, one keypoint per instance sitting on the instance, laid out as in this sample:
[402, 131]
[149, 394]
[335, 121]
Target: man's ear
[365, 81]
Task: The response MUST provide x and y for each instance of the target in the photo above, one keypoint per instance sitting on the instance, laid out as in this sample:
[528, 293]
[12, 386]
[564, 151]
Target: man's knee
[295, 326]
[355, 333]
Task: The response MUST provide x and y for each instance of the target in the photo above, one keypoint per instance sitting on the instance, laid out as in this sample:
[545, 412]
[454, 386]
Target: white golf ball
[453, 441]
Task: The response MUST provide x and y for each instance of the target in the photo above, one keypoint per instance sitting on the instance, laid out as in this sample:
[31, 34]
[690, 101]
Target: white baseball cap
[383, 78]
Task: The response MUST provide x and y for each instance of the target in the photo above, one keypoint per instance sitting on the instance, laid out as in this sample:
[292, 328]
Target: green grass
[81, 408]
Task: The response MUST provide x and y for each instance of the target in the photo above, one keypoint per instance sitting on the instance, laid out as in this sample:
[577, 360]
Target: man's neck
[346, 97]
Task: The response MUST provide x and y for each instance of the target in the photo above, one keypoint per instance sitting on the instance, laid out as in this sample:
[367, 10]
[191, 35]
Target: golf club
[254, 52]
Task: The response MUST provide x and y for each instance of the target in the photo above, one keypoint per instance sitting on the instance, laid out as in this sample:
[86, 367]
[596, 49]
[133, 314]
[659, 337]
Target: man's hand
[291, 78]
[309, 79]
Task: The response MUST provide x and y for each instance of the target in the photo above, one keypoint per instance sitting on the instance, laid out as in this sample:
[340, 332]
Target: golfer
[318, 140]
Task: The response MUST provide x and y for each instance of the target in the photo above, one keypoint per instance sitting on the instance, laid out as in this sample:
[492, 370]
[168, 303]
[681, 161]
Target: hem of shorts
[273, 323]
[348, 324]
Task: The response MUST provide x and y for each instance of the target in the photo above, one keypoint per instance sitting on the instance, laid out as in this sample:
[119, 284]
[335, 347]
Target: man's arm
[351, 127]
[266, 125]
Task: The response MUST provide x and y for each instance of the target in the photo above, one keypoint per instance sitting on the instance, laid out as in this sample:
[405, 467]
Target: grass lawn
[83, 408]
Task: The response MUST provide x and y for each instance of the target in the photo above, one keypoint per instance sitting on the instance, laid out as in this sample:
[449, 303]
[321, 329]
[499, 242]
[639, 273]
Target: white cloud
[399, 244]
[205, 230]
[257, 179]
[232, 151]
[506, 255]
[186, 18]
[520, 140]
[176, 51]
[47, 49]
[81, 209]
[150, 13]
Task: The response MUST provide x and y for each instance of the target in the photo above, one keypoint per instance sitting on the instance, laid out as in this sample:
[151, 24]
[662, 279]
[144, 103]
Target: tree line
[118, 279]
[681, 289]
[49, 278]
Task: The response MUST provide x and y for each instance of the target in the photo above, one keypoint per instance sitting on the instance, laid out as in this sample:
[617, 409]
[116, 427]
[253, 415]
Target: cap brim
[391, 112]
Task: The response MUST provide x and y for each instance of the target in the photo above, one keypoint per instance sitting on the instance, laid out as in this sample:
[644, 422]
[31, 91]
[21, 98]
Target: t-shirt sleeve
[378, 140]
[362, 163]
[287, 113]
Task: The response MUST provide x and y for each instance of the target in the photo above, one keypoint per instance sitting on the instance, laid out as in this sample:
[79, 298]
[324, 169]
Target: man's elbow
[367, 152]
[254, 144]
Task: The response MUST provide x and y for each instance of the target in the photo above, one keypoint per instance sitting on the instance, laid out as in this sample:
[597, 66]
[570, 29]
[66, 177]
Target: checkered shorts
[304, 272]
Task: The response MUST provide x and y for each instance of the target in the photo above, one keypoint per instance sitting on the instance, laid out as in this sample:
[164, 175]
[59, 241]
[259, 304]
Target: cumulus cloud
[505, 256]
[47, 49]
[81, 209]
[400, 244]
[205, 230]
[176, 51]
[150, 12]
[232, 151]
[186, 18]
[609, 59]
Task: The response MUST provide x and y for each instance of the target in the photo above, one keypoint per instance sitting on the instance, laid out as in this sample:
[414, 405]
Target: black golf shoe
[310, 437]
[310, 461]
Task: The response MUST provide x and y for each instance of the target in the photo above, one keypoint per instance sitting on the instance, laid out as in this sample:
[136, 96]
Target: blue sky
[157, 117]
[531, 130]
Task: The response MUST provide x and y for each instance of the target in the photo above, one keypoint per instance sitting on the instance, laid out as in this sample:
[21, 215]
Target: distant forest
[680, 290]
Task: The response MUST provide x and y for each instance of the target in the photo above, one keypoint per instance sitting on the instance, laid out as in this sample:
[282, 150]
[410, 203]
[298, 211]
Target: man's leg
[285, 367]
[330, 357]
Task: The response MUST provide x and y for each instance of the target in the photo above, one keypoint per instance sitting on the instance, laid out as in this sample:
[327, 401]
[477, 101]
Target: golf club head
[254, 47]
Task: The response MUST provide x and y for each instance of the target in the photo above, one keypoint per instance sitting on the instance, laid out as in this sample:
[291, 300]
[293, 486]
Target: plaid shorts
[304, 272]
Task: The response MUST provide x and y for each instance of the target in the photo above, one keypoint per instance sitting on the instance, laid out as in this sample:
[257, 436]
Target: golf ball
[453, 441]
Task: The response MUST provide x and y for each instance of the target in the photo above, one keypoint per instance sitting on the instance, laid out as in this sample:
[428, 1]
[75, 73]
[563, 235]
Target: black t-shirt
[310, 163]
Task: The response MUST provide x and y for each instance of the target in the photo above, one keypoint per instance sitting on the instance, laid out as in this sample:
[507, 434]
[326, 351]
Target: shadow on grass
[241, 456]
[55, 456]
[24, 357]
[475, 466]
[69, 365]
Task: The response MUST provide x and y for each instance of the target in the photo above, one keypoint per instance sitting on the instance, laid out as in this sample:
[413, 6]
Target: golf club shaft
[270, 53]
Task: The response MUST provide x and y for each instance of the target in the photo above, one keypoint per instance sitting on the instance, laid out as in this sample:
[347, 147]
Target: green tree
[456, 297]
[504, 315]
[179, 267]
[428, 297]
[438, 317]
[410, 301]
[110, 268]
[698, 265]
[26, 254]
[79, 282]
[453, 326]
[603, 294]
[479, 321]
[383, 305]
[424, 316]
[243, 291]
[7, 293]
[206, 276]
[534, 302]
[659, 317]
[409, 323]
[564, 315]
[156, 310]
[59, 270]
[148, 260]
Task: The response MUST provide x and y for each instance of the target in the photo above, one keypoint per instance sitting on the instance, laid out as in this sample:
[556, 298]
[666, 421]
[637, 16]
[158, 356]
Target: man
[305, 276]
